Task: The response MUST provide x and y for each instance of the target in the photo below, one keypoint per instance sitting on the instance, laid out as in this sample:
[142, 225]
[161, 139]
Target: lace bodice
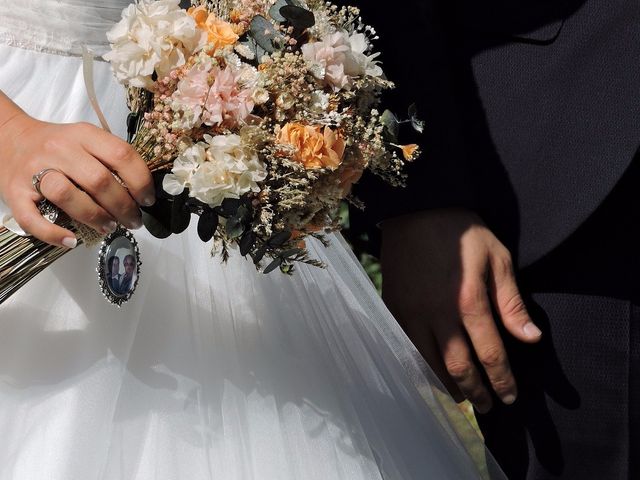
[59, 26]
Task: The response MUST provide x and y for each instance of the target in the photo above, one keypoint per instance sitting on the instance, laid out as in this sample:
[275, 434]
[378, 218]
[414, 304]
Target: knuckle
[470, 299]
[53, 144]
[492, 357]
[122, 152]
[501, 384]
[100, 181]
[459, 370]
[513, 306]
[84, 127]
[57, 189]
[503, 263]
[93, 216]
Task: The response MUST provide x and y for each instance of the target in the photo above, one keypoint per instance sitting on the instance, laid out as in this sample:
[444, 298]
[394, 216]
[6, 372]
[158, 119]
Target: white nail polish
[509, 399]
[70, 242]
[136, 224]
[110, 227]
[148, 201]
[531, 331]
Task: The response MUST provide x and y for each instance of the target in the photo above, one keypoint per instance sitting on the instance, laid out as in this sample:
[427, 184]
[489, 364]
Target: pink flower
[332, 61]
[230, 101]
[190, 95]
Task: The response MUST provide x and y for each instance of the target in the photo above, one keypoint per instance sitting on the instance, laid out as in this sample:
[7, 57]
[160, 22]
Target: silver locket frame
[111, 245]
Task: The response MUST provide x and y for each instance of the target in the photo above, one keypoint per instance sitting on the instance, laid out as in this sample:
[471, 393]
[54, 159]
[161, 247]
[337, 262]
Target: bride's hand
[82, 184]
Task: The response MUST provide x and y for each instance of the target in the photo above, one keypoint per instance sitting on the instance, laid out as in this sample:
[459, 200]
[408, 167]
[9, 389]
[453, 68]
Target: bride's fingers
[120, 157]
[59, 190]
[31, 221]
[100, 184]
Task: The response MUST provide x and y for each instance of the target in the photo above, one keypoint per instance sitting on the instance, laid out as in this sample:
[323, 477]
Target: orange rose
[219, 33]
[315, 147]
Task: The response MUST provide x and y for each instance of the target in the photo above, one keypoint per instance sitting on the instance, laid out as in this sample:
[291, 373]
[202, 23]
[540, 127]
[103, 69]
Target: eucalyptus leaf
[274, 11]
[207, 225]
[157, 219]
[158, 178]
[247, 242]
[265, 34]
[391, 124]
[234, 227]
[299, 17]
[180, 214]
[279, 238]
[259, 255]
[273, 265]
[229, 207]
[291, 252]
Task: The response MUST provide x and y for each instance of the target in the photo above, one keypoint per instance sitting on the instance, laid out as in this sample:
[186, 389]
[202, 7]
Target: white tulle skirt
[211, 371]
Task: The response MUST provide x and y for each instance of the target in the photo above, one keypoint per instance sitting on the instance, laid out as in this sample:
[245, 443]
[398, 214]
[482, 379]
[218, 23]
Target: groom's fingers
[460, 366]
[507, 300]
[479, 324]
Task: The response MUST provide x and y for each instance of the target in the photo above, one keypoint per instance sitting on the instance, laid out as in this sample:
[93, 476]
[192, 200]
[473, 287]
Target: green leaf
[274, 11]
[265, 34]
[279, 238]
[207, 225]
[234, 227]
[229, 207]
[291, 252]
[259, 254]
[391, 124]
[157, 218]
[246, 242]
[180, 213]
[300, 18]
[273, 265]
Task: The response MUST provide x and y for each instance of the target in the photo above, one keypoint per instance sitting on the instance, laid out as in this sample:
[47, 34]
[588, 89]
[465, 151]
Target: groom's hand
[442, 271]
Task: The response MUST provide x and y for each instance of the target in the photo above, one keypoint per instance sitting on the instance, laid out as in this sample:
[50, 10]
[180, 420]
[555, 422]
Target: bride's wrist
[13, 121]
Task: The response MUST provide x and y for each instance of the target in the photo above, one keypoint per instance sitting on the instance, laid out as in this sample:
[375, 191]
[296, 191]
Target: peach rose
[219, 33]
[316, 148]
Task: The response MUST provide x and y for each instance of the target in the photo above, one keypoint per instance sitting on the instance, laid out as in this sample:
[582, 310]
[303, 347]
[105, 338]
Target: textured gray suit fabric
[578, 415]
[532, 113]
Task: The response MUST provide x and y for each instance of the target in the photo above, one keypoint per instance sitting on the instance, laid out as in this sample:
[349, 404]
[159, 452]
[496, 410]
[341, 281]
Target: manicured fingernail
[148, 201]
[136, 224]
[70, 242]
[531, 331]
[508, 399]
[110, 227]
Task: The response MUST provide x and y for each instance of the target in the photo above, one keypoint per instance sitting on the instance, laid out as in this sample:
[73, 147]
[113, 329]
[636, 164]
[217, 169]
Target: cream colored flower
[153, 36]
[221, 167]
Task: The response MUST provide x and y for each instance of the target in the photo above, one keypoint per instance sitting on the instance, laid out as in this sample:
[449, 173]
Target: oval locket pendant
[118, 266]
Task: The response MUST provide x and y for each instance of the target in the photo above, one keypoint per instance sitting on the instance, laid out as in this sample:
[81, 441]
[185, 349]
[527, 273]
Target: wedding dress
[211, 371]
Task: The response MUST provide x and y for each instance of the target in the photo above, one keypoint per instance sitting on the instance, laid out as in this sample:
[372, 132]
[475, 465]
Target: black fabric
[577, 416]
[532, 110]
[532, 113]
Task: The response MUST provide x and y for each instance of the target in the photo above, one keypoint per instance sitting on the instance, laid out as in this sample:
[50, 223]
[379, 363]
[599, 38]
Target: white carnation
[339, 58]
[359, 48]
[153, 36]
[220, 168]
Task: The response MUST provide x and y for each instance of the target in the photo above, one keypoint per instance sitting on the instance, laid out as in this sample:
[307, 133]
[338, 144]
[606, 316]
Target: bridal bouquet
[256, 115]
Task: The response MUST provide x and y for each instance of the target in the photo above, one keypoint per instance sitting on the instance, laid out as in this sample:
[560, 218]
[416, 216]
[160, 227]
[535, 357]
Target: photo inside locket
[120, 267]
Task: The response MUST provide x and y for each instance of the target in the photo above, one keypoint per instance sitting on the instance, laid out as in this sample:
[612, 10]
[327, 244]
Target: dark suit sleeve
[417, 46]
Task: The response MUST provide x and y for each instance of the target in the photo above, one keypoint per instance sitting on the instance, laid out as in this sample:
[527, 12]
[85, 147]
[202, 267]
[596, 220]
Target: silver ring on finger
[37, 178]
